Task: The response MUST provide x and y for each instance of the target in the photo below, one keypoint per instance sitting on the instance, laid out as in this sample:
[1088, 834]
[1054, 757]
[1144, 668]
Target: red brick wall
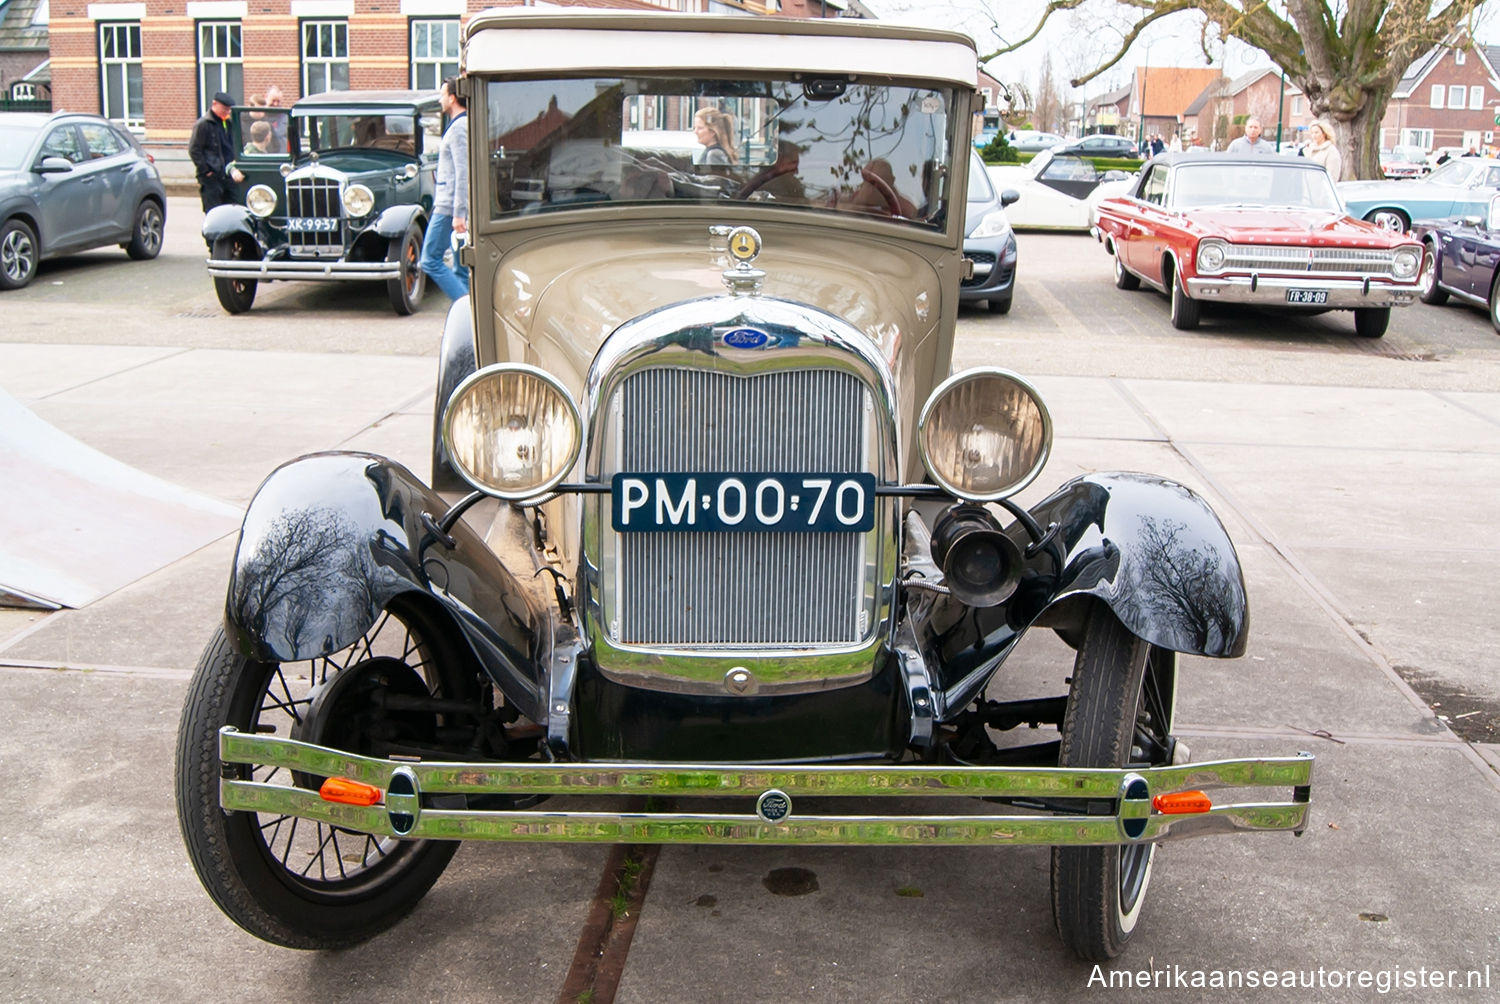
[1448, 124]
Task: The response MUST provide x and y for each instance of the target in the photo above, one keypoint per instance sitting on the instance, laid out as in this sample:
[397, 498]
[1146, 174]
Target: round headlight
[261, 200]
[1406, 262]
[512, 431]
[358, 200]
[984, 434]
[285, 169]
[1210, 256]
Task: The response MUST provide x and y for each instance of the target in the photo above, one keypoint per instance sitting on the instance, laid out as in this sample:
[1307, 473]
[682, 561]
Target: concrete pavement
[1356, 479]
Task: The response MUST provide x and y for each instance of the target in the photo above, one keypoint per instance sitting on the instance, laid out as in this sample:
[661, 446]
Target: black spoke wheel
[1119, 714]
[297, 882]
[235, 295]
[19, 254]
[406, 289]
[146, 236]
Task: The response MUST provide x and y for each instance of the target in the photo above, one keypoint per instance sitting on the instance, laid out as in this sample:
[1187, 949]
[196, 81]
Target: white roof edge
[521, 50]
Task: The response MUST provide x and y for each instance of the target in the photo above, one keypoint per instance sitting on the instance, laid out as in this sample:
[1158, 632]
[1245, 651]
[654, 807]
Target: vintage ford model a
[753, 541]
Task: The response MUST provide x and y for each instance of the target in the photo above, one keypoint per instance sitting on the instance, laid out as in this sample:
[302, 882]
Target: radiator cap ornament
[744, 247]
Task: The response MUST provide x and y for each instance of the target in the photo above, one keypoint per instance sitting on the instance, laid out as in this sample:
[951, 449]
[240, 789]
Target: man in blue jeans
[450, 203]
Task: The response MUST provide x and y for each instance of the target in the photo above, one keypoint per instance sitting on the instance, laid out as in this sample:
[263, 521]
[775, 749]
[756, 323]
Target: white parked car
[1056, 190]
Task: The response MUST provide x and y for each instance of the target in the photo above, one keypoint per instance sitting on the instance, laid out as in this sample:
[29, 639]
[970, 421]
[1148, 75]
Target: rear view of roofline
[526, 42]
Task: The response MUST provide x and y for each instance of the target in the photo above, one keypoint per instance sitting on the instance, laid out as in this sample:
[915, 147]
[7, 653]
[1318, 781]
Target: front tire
[1371, 322]
[1185, 311]
[235, 295]
[19, 255]
[1119, 714]
[1495, 303]
[146, 237]
[998, 305]
[1431, 292]
[405, 291]
[295, 882]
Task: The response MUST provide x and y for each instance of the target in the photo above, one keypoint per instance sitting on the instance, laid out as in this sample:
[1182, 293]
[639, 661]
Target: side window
[63, 142]
[1154, 190]
[432, 134]
[102, 141]
[1493, 180]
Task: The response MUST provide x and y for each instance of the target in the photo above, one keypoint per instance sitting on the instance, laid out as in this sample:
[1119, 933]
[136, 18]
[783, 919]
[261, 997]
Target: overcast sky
[1079, 41]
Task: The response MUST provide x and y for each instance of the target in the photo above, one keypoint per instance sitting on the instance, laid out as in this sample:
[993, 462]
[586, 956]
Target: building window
[1417, 137]
[1437, 96]
[1457, 95]
[1459, 56]
[220, 62]
[1476, 97]
[1296, 106]
[325, 56]
[120, 72]
[434, 52]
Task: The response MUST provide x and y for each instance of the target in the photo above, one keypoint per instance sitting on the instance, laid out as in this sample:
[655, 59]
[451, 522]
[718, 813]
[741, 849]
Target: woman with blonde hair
[1322, 148]
[715, 130]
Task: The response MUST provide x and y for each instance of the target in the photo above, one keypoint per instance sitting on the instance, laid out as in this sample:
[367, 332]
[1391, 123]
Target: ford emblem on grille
[773, 806]
[745, 338]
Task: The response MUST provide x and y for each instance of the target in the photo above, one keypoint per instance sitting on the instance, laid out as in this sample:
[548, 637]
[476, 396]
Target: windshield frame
[1332, 203]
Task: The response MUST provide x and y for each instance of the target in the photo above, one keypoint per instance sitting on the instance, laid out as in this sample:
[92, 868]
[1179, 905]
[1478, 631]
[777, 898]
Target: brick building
[24, 74]
[1448, 97]
[1160, 96]
[1217, 115]
[155, 64]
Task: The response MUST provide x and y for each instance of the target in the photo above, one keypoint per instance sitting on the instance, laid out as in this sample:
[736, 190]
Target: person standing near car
[212, 152]
[1322, 149]
[450, 203]
[1251, 141]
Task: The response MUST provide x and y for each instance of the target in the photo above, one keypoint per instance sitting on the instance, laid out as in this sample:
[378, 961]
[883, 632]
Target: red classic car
[1263, 230]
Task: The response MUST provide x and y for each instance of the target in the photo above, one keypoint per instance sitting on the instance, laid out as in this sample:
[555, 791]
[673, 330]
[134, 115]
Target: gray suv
[71, 182]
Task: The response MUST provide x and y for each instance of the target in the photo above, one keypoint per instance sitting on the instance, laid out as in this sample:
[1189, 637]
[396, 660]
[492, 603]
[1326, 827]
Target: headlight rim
[573, 411]
[1210, 244]
[1410, 254]
[250, 197]
[945, 388]
[360, 192]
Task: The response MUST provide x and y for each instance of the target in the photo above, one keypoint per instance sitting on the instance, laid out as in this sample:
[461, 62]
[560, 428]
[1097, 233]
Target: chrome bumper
[401, 812]
[1270, 291]
[263, 270]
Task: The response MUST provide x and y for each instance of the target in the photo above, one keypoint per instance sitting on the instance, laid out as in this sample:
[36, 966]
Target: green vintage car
[339, 186]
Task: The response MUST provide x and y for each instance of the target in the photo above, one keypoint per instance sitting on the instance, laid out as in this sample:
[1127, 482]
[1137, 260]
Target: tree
[1048, 106]
[1346, 55]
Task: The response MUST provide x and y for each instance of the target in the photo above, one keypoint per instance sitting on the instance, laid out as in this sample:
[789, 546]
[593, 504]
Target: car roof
[1243, 159]
[344, 99]
[42, 118]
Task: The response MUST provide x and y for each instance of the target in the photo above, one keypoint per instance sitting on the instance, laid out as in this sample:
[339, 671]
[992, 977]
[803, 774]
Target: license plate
[742, 503]
[1307, 296]
[315, 225]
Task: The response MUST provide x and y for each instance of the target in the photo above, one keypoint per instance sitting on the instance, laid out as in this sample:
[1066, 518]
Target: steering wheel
[883, 187]
[774, 171]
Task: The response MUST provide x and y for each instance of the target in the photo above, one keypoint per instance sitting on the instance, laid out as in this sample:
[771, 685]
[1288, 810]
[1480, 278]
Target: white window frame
[444, 65]
[1417, 137]
[130, 33]
[1458, 95]
[1296, 104]
[1459, 57]
[323, 63]
[1476, 97]
[216, 70]
[1437, 96]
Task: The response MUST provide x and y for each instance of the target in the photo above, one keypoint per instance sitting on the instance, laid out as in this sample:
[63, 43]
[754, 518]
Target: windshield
[1288, 185]
[821, 144]
[1455, 172]
[373, 130]
[980, 189]
[15, 143]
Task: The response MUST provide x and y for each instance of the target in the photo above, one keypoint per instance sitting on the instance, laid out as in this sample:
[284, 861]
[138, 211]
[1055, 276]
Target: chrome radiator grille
[1260, 258]
[741, 590]
[315, 198]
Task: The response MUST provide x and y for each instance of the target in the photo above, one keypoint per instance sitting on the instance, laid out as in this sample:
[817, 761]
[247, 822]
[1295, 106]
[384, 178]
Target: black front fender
[330, 539]
[395, 220]
[221, 221]
[1155, 552]
[456, 363]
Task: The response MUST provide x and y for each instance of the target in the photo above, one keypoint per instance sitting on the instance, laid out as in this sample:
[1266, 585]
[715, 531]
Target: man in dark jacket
[212, 153]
